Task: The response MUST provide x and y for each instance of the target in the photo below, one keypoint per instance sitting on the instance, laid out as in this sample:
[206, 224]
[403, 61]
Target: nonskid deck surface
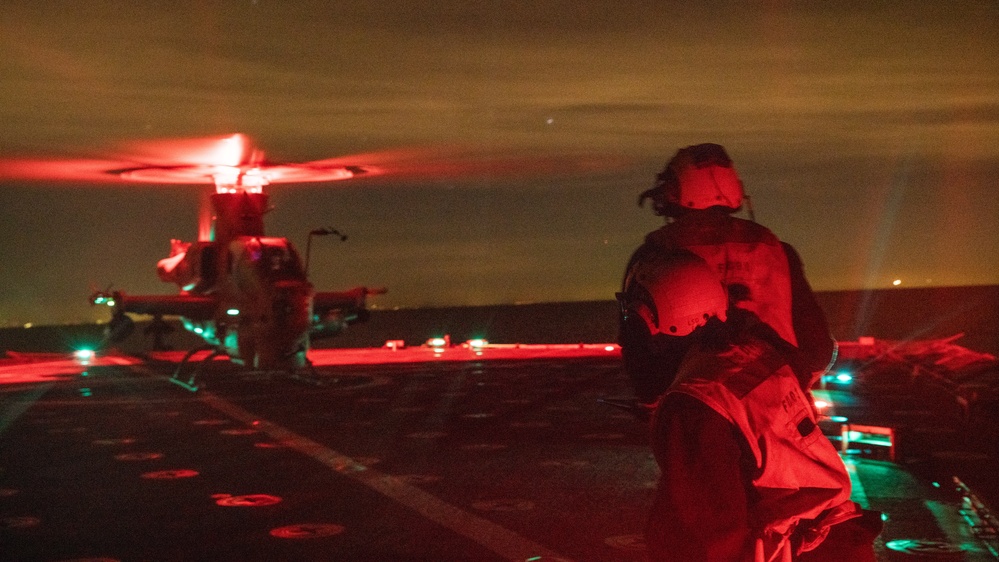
[466, 460]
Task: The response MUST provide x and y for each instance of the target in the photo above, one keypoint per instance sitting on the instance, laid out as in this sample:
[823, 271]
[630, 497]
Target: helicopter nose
[286, 337]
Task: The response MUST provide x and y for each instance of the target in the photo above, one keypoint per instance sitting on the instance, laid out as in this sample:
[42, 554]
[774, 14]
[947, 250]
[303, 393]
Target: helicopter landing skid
[312, 377]
[189, 384]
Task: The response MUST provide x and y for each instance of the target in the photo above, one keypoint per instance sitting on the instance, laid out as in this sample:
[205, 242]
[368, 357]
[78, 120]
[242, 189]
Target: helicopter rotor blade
[232, 161]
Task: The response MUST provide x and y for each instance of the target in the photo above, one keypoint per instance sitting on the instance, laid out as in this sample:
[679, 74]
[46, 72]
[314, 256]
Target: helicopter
[246, 294]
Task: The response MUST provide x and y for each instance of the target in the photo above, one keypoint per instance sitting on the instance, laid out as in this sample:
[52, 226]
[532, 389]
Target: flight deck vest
[798, 473]
[748, 257]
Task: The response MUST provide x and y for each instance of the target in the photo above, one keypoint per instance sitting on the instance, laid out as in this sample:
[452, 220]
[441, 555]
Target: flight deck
[419, 454]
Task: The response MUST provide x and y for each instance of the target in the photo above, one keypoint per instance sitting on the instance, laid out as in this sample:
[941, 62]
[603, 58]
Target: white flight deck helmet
[674, 294]
[697, 177]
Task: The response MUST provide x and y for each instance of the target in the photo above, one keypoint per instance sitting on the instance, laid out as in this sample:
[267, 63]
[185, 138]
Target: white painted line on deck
[10, 413]
[496, 538]
[958, 532]
[858, 494]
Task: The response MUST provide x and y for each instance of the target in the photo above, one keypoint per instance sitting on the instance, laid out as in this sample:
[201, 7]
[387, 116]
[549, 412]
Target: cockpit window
[276, 260]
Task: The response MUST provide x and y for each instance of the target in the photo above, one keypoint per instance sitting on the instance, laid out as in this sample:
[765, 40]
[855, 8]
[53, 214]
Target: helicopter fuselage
[246, 294]
[263, 312]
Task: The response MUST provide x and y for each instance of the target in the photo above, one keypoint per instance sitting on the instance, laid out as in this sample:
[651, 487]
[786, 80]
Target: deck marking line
[10, 414]
[495, 537]
[949, 521]
[857, 493]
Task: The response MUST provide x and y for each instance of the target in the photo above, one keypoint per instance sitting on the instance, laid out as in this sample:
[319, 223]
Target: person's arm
[815, 341]
[650, 369]
[700, 512]
[651, 362]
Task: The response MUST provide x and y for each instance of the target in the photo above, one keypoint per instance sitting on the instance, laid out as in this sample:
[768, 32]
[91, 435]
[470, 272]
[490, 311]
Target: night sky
[867, 134]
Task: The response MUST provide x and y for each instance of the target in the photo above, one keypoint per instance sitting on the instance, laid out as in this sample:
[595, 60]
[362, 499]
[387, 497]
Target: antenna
[319, 232]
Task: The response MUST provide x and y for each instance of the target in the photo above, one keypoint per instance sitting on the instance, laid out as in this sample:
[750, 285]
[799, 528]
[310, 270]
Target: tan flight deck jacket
[740, 479]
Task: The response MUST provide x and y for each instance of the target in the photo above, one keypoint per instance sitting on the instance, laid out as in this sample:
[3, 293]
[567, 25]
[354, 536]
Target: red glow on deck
[390, 355]
[33, 368]
[28, 368]
[461, 353]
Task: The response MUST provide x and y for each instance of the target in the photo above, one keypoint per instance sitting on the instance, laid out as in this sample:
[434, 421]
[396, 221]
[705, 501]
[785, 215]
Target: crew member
[697, 193]
[746, 473]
